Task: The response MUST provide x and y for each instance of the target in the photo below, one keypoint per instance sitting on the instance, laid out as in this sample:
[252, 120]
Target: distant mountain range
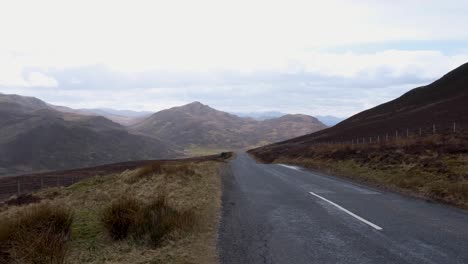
[196, 126]
[330, 120]
[123, 117]
[327, 120]
[260, 115]
[36, 136]
[441, 103]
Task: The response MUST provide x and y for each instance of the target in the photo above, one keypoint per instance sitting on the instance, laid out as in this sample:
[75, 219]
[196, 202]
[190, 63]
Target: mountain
[123, 117]
[441, 103]
[198, 125]
[36, 137]
[327, 119]
[260, 115]
[330, 120]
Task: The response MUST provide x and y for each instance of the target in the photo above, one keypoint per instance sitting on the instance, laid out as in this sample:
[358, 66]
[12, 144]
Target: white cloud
[195, 49]
[40, 79]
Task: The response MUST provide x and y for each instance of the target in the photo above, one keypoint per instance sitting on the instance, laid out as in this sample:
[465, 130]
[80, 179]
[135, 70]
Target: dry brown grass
[150, 222]
[168, 168]
[178, 229]
[120, 216]
[157, 220]
[38, 234]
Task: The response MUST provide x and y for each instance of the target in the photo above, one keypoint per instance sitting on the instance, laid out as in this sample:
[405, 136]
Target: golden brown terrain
[164, 212]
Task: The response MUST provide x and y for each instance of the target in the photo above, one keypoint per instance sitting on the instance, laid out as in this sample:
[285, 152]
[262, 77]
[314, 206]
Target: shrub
[38, 234]
[184, 169]
[154, 167]
[120, 216]
[152, 221]
[156, 220]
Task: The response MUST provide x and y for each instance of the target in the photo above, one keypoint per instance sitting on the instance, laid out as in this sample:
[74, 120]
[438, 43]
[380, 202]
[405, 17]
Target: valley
[36, 136]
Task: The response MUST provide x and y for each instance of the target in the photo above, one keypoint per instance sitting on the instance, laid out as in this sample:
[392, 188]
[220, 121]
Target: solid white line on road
[348, 212]
[290, 167]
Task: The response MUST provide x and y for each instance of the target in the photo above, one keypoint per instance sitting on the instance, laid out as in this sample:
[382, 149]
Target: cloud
[292, 56]
[41, 80]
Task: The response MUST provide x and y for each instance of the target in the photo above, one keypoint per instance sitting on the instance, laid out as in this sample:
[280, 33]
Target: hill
[442, 103]
[196, 125]
[260, 115]
[326, 119]
[422, 162]
[35, 137]
[123, 117]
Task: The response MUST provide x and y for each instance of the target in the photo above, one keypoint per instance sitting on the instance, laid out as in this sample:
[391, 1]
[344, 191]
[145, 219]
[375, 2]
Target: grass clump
[36, 235]
[185, 169]
[120, 216]
[152, 168]
[156, 220]
[150, 222]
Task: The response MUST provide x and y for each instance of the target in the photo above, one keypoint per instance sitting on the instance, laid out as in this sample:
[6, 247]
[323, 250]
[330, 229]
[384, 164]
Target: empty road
[280, 214]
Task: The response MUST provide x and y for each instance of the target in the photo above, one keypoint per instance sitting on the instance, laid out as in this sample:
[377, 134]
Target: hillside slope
[34, 137]
[442, 103]
[196, 124]
[429, 165]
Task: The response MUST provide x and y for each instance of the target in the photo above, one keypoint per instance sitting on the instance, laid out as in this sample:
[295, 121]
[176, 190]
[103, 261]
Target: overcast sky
[314, 57]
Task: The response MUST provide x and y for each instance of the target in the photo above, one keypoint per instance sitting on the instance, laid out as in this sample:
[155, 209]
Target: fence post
[18, 185]
[407, 132]
[454, 127]
[396, 134]
[378, 139]
[433, 128]
[370, 140]
[420, 132]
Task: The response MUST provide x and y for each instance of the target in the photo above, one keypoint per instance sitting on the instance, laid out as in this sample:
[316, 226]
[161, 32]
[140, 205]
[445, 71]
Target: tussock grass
[164, 213]
[151, 221]
[120, 216]
[158, 167]
[157, 220]
[38, 234]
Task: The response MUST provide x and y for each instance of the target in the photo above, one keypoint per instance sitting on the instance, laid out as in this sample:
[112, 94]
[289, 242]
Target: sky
[313, 57]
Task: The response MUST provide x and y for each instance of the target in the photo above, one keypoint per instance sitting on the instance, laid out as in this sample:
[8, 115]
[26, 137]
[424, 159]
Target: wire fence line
[390, 135]
[18, 185]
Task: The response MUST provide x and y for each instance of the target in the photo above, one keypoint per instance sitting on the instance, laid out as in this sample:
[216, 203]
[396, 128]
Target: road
[279, 214]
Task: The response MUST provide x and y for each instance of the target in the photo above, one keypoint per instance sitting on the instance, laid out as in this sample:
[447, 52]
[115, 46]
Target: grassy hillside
[435, 167]
[442, 103]
[416, 143]
[164, 212]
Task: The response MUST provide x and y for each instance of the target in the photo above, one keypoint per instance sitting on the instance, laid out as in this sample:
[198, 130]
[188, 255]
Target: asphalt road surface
[279, 214]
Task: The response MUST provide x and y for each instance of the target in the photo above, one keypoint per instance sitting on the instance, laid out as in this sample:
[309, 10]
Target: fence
[18, 185]
[453, 128]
